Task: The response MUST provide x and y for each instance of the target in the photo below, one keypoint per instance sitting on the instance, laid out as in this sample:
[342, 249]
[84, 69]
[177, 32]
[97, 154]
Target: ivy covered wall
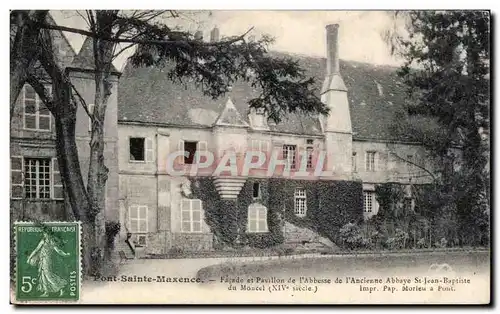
[330, 205]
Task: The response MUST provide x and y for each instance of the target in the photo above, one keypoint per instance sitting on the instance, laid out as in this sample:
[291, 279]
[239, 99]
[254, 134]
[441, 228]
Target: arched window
[257, 218]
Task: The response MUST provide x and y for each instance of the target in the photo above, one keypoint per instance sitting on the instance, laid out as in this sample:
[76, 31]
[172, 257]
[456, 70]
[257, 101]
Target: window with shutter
[37, 178]
[149, 152]
[57, 187]
[180, 148]
[202, 147]
[16, 177]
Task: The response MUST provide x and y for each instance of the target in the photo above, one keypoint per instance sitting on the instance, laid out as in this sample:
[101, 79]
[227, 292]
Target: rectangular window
[141, 149]
[190, 148]
[309, 141]
[309, 156]
[191, 215]
[137, 148]
[138, 219]
[257, 218]
[300, 197]
[37, 178]
[289, 155]
[260, 146]
[36, 115]
[368, 201]
[256, 190]
[354, 162]
[370, 161]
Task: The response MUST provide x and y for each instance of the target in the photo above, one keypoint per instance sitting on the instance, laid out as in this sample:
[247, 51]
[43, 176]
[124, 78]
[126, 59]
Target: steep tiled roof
[375, 95]
[64, 53]
[85, 57]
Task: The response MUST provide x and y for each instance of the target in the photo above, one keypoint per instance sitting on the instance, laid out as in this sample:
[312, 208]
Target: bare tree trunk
[98, 172]
[63, 107]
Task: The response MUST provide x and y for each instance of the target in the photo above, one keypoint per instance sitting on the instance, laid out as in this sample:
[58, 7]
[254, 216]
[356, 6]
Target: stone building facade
[149, 118]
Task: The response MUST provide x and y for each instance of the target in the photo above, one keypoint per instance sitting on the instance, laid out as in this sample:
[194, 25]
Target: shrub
[175, 251]
[441, 243]
[351, 236]
[390, 243]
[421, 243]
[400, 238]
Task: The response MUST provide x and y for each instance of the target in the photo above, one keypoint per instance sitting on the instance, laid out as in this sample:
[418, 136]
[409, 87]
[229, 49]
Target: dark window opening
[309, 142]
[137, 148]
[256, 190]
[190, 147]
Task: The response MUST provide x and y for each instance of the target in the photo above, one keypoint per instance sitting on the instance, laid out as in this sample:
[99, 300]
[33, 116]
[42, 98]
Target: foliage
[112, 230]
[228, 218]
[447, 69]
[330, 204]
[351, 236]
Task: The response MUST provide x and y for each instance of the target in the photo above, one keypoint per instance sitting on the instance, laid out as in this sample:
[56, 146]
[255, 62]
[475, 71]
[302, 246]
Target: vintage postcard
[250, 157]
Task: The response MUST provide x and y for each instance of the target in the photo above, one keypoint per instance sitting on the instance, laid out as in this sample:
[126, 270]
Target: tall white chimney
[337, 125]
[332, 46]
[333, 79]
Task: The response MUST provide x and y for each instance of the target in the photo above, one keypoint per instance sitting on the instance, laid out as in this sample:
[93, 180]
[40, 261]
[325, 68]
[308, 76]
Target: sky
[300, 32]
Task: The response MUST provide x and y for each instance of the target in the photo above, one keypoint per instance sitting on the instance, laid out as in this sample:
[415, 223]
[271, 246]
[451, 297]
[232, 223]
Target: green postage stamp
[48, 261]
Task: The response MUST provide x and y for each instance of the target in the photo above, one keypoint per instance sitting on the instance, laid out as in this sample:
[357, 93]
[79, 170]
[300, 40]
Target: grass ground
[401, 263]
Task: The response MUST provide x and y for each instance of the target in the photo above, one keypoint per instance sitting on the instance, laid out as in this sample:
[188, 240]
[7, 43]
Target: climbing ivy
[330, 205]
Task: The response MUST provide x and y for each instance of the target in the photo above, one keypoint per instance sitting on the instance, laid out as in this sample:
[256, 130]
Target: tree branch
[144, 42]
[416, 165]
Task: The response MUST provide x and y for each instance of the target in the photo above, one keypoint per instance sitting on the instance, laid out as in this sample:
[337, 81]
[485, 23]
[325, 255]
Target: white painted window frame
[369, 198]
[290, 156]
[371, 165]
[300, 202]
[257, 213]
[138, 218]
[190, 211]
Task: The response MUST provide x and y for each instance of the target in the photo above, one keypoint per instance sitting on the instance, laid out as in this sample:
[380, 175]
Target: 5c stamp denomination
[48, 261]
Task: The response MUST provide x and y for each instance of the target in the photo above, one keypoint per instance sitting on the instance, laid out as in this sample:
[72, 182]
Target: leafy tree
[214, 66]
[447, 71]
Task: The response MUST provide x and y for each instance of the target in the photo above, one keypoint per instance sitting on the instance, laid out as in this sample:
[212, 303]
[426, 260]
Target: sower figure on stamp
[42, 257]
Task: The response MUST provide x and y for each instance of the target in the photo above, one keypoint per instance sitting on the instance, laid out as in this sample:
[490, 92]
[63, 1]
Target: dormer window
[258, 119]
